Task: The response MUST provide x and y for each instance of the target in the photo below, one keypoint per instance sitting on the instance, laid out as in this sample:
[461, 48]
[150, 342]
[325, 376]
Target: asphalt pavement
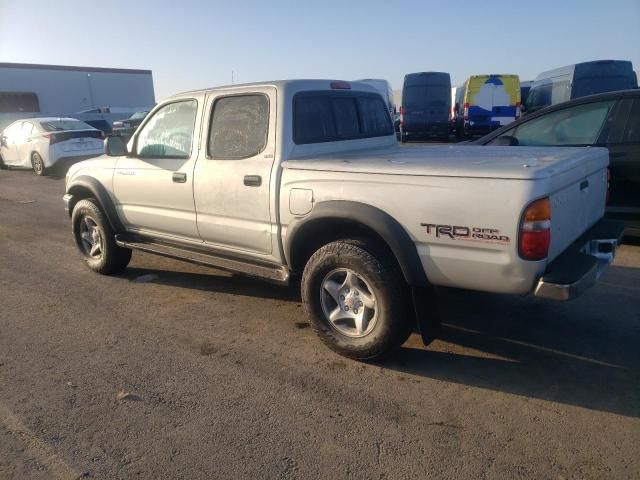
[170, 370]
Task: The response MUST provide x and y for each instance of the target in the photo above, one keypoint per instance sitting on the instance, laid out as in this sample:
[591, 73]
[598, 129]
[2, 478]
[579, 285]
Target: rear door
[622, 137]
[28, 144]
[233, 174]
[154, 185]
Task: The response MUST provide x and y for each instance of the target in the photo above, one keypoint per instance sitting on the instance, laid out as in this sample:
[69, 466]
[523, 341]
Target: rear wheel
[96, 240]
[3, 166]
[38, 164]
[356, 299]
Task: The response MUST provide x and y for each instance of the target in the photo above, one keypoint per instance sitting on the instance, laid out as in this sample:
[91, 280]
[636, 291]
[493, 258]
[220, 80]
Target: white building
[28, 90]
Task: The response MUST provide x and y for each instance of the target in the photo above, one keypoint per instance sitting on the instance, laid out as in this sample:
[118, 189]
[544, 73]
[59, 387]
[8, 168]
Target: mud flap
[425, 306]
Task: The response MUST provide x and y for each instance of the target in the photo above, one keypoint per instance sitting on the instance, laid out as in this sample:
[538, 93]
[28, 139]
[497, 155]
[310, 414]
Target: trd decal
[471, 234]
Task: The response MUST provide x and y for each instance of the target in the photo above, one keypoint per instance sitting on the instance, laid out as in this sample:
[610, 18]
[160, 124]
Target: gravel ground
[175, 371]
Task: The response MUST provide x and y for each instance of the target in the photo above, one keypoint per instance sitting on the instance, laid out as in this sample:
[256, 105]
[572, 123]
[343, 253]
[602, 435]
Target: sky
[196, 44]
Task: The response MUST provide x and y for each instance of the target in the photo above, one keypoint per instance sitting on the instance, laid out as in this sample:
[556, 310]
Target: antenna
[231, 77]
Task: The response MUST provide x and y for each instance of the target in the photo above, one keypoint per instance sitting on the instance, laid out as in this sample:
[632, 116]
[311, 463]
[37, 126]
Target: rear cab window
[330, 116]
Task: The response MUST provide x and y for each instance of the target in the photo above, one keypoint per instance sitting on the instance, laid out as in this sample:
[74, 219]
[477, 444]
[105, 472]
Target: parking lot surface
[176, 371]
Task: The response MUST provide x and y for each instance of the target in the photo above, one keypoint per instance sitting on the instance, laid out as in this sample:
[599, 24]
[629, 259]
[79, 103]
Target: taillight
[518, 110]
[535, 230]
[402, 110]
[340, 85]
[466, 111]
[52, 138]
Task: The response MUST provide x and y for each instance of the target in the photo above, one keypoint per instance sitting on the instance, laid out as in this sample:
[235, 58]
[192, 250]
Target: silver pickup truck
[304, 179]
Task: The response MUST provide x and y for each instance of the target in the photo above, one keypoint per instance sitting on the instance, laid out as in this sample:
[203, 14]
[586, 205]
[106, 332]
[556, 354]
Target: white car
[41, 143]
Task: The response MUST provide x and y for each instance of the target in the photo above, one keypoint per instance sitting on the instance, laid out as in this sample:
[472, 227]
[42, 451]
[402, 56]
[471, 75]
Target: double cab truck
[304, 181]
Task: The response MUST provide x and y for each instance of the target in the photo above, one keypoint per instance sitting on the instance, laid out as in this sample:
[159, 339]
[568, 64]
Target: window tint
[12, 102]
[238, 126]
[375, 120]
[571, 126]
[60, 125]
[613, 129]
[313, 120]
[169, 133]
[333, 116]
[420, 96]
[346, 116]
[632, 133]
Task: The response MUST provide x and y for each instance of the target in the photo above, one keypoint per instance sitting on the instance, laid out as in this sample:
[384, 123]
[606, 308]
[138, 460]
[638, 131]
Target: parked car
[306, 177]
[485, 103]
[41, 143]
[609, 120]
[580, 80]
[426, 106]
[125, 128]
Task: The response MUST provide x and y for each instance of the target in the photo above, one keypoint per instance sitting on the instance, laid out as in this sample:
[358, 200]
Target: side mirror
[3, 141]
[114, 146]
[505, 141]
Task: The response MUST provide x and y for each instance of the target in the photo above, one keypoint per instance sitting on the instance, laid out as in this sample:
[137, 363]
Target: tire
[403, 137]
[38, 164]
[384, 328]
[91, 228]
[3, 166]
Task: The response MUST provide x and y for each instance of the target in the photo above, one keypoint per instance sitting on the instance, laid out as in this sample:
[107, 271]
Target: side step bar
[267, 271]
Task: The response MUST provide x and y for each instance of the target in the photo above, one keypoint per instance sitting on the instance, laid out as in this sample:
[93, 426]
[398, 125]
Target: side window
[27, 129]
[614, 127]
[579, 125]
[239, 126]
[632, 133]
[169, 133]
[540, 96]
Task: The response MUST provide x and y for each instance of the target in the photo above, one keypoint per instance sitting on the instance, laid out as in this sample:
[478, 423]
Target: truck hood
[525, 163]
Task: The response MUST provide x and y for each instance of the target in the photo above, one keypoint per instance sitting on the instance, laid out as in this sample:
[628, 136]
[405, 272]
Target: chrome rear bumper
[580, 266]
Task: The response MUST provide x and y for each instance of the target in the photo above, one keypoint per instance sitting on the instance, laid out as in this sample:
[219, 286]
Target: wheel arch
[85, 187]
[337, 219]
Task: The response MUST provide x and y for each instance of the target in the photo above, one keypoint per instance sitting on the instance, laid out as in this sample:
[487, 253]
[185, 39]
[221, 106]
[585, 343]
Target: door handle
[179, 177]
[252, 180]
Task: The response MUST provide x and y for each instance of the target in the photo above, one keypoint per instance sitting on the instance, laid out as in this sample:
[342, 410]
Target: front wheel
[356, 299]
[95, 239]
[38, 164]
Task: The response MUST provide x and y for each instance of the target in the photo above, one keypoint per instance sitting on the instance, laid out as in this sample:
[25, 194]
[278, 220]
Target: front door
[154, 184]
[232, 178]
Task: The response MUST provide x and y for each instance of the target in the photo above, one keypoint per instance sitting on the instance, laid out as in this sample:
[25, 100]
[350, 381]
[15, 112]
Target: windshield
[419, 96]
[138, 115]
[61, 125]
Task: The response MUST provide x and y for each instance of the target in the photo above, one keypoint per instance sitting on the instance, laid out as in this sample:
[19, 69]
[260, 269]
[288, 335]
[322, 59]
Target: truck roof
[295, 84]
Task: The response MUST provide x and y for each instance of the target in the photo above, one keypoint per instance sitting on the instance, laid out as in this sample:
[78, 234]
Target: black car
[126, 127]
[609, 120]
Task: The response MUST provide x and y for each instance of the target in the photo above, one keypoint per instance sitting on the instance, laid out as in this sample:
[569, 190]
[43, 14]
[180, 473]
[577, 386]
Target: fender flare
[101, 195]
[387, 227]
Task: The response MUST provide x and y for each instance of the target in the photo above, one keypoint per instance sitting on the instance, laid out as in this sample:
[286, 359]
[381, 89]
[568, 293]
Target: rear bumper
[579, 267]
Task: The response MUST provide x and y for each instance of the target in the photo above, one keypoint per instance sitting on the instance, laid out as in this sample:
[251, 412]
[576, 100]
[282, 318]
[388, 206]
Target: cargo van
[426, 106]
[485, 103]
[525, 88]
[579, 80]
[384, 87]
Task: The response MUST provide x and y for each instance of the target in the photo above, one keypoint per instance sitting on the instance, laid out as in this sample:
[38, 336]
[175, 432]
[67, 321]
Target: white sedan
[41, 143]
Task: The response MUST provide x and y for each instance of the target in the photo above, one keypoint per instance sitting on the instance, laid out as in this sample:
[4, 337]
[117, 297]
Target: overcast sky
[197, 44]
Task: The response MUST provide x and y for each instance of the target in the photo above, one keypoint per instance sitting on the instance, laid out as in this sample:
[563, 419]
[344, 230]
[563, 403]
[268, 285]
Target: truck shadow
[582, 353]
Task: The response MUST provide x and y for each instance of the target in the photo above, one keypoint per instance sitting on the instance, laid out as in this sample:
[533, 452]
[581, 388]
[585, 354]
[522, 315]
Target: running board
[267, 271]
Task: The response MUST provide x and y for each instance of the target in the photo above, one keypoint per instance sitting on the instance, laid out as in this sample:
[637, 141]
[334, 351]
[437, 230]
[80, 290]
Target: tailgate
[579, 203]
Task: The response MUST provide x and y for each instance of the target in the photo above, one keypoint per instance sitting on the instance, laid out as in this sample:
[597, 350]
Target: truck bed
[522, 163]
